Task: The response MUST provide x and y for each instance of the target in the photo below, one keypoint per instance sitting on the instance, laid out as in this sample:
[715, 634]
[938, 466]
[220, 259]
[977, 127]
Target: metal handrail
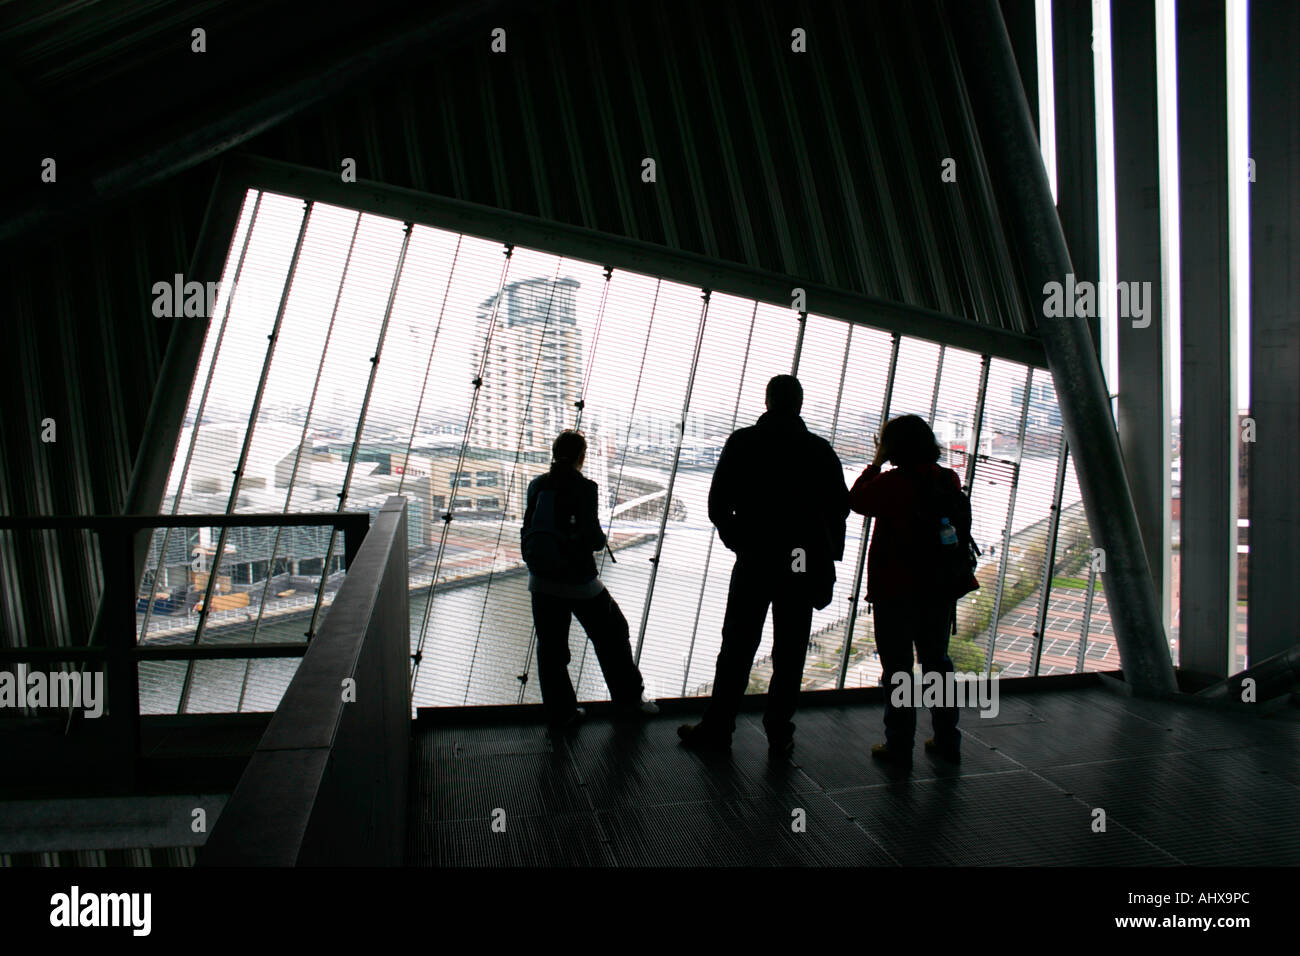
[121, 652]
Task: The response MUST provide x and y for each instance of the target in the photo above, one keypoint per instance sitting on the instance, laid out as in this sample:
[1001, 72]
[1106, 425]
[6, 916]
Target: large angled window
[353, 357]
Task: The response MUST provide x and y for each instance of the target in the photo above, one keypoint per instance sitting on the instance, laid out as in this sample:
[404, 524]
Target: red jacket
[896, 561]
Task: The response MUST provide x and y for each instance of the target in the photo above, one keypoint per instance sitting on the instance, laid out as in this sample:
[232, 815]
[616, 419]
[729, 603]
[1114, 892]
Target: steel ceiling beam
[245, 171]
[234, 123]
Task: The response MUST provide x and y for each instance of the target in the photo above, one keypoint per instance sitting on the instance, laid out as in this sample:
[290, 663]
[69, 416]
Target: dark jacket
[778, 487]
[576, 496]
[899, 562]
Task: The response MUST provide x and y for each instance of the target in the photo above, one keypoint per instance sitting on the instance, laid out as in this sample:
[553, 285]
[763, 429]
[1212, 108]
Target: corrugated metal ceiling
[823, 165]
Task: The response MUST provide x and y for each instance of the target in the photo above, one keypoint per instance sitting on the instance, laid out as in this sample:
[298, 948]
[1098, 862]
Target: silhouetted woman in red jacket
[901, 582]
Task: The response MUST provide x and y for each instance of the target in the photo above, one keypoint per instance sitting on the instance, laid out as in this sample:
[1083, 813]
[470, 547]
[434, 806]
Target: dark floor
[1179, 785]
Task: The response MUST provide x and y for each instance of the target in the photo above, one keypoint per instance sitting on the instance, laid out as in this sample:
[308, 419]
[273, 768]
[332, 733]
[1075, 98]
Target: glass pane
[481, 361]
[648, 465]
[858, 422]
[1030, 525]
[821, 366]
[449, 447]
[533, 365]
[954, 427]
[734, 368]
[219, 436]
[1004, 584]
[769, 334]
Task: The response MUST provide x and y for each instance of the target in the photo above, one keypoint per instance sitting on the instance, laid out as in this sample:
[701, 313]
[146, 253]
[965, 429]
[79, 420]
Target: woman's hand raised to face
[881, 456]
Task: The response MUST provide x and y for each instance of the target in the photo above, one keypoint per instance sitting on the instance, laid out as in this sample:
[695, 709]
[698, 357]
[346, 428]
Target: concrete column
[1143, 382]
[1076, 141]
[1208, 524]
[1274, 571]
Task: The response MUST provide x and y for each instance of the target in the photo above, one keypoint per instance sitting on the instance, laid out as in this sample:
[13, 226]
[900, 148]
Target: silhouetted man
[779, 501]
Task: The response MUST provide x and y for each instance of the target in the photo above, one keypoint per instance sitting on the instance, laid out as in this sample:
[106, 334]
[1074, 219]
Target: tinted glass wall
[351, 357]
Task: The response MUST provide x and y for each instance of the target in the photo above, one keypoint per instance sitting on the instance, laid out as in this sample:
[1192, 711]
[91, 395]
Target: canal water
[478, 638]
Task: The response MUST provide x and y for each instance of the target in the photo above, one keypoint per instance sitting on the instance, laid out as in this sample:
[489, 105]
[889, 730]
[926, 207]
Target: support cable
[424, 388]
[198, 414]
[627, 438]
[510, 486]
[672, 477]
[361, 424]
[477, 383]
[297, 458]
[238, 477]
[1049, 557]
[713, 531]
[1006, 529]
[580, 405]
[866, 528]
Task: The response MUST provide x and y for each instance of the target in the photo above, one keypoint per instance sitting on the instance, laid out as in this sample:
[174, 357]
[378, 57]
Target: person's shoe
[948, 752]
[642, 708]
[699, 737]
[780, 746]
[891, 755]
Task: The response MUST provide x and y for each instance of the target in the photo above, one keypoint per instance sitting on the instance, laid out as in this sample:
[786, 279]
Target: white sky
[640, 351]
[1238, 199]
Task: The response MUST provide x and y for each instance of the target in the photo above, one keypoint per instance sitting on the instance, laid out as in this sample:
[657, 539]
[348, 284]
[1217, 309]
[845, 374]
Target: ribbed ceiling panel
[84, 351]
[824, 166]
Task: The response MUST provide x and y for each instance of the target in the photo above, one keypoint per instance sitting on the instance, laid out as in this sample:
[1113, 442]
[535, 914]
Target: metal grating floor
[1179, 785]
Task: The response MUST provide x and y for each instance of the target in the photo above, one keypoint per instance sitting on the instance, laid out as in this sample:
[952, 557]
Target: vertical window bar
[198, 418]
[1087, 612]
[839, 392]
[419, 405]
[311, 406]
[1049, 557]
[618, 484]
[215, 566]
[361, 424]
[636, 395]
[522, 676]
[672, 476]
[302, 442]
[477, 382]
[1239, 310]
[428, 366]
[866, 529]
[1006, 528]
[514, 472]
[798, 342]
[974, 451]
[581, 403]
[938, 377]
[713, 532]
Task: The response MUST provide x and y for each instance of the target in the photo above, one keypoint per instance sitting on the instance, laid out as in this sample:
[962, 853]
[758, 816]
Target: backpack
[547, 544]
[955, 563]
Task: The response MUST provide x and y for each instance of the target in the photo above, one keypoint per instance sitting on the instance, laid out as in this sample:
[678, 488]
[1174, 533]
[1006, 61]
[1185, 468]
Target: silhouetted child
[561, 530]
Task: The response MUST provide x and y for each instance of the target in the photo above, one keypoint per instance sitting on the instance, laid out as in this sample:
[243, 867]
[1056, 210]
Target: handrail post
[355, 528]
[117, 550]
